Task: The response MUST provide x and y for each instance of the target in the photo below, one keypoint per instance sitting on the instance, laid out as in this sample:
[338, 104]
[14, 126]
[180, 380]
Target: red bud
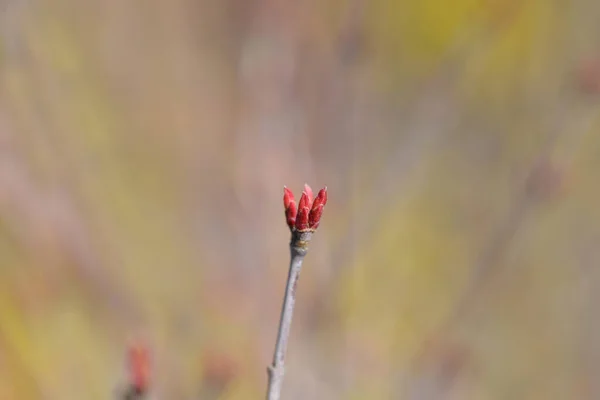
[321, 198]
[290, 207]
[302, 219]
[314, 218]
[288, 197]
[317, 209]
[303, 211]
[139, 367]
[309, 194]
[303, 201]
[290, 215]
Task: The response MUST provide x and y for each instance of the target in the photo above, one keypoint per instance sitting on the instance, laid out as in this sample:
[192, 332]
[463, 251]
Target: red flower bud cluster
[307, 215]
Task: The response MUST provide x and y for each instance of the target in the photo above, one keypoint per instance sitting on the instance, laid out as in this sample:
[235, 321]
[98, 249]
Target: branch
[298, 249]
[303, 222]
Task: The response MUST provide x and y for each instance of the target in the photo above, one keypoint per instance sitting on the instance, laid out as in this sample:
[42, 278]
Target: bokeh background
[143, 150]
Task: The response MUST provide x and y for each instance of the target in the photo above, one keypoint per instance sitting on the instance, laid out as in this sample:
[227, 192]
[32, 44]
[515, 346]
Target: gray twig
[276, 371]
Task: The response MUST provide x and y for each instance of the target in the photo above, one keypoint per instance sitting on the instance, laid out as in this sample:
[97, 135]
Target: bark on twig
[276, 371]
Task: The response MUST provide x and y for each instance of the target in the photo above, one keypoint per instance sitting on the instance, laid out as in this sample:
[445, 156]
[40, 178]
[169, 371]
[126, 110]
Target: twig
[133, 394]
[298, 249]
[303, 222]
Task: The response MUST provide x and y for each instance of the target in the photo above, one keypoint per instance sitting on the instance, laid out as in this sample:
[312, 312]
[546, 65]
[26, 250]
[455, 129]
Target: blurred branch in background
[545, 180]
[433, 104]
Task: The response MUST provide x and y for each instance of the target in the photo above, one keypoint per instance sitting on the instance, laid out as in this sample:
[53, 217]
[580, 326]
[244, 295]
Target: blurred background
[144, 146]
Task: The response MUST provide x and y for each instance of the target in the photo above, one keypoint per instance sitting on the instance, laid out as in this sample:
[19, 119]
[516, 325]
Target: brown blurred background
[143, 150]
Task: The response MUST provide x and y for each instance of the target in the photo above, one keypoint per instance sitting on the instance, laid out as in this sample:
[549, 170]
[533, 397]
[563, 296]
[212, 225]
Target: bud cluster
[307, 215]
